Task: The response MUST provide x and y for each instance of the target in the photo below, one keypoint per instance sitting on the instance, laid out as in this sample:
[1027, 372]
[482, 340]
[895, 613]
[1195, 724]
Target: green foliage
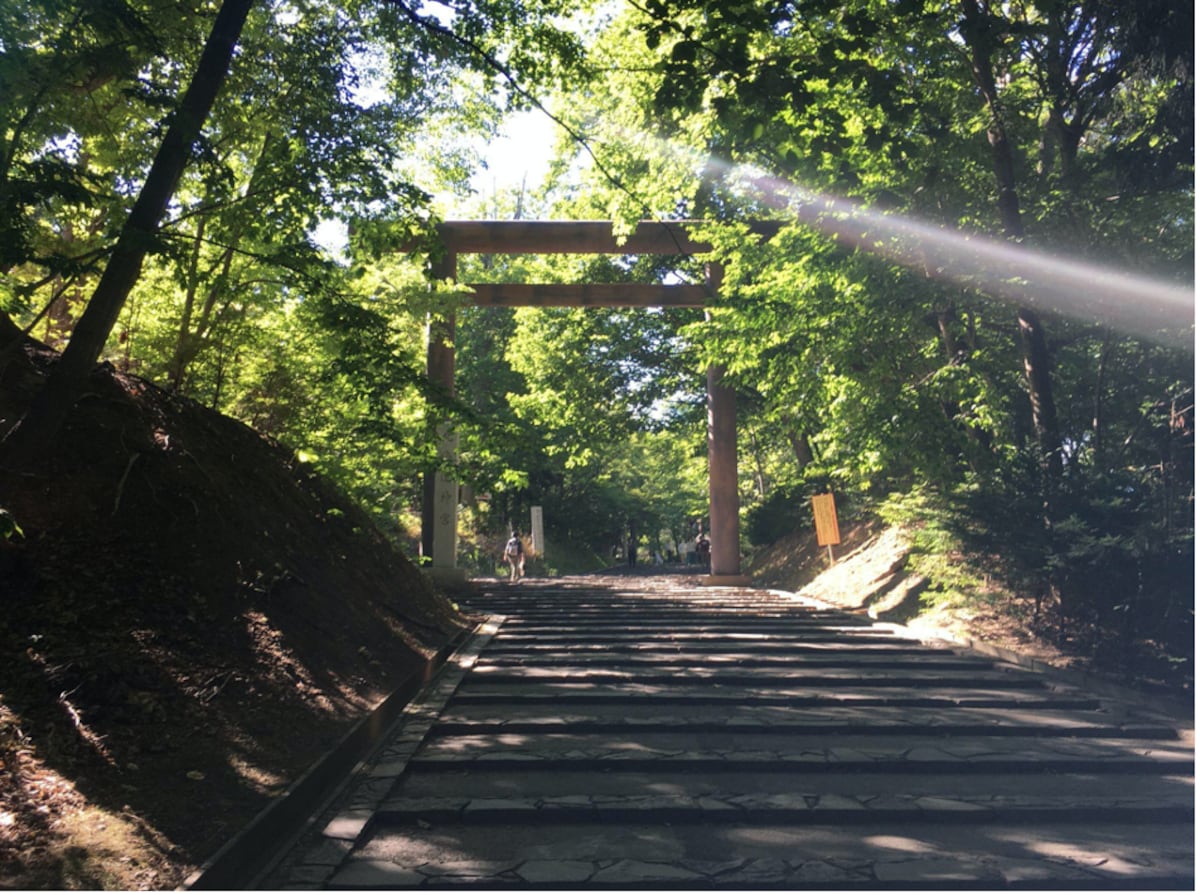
[1113, 566]
[939, 534]
[784, 511]
[8, 526]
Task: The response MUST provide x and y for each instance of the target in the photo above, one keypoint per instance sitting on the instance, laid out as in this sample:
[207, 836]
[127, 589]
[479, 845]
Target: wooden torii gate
[439, 514]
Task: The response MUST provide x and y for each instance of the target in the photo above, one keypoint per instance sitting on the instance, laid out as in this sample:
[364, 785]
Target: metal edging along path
[251, 852]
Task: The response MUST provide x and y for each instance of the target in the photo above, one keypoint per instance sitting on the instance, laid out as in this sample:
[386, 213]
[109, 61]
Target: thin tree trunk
[949, 342]
[972, 332]
[1098, 433]
[35, 434]
[190, 339]
[1041, 392]
[760, 477]
[178, 362]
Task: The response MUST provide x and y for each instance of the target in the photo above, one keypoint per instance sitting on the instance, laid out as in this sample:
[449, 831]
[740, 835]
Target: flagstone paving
[652, 733]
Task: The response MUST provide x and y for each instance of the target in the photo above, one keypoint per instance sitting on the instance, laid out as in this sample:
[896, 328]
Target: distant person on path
[631, 552]
[514, 552]
[703, 549]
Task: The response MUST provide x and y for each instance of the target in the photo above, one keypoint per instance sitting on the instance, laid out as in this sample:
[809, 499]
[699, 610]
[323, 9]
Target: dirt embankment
[871, 574]
[867, 572]
[190, 619]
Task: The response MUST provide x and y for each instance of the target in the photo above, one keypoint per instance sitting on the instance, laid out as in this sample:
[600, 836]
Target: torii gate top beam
[569, 237]
[580, 238]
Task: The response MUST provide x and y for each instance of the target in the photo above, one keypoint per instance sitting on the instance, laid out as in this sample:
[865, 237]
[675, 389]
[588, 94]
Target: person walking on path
[514, 552]
[703, 550]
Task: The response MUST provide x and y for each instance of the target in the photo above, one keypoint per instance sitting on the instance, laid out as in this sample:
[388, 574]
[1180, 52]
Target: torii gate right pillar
[722, 482]
[723, 520]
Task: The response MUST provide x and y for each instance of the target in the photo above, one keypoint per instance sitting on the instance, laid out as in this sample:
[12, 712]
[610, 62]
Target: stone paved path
[650, 733]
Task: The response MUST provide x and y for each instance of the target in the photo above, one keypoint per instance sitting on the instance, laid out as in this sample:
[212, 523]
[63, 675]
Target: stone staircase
[652, 733]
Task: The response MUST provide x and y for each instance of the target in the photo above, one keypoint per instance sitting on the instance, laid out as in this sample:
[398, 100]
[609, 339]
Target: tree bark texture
[35, 434]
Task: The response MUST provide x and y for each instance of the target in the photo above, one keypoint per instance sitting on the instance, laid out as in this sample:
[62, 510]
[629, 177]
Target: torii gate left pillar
[439, 506]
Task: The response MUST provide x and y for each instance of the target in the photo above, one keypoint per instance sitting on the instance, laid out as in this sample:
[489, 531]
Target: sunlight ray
[1135, 304]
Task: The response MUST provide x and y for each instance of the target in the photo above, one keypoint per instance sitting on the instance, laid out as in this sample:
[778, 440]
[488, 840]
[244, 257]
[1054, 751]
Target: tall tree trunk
[177, 365]
[35, 434]
[950, 344]
[977, 32]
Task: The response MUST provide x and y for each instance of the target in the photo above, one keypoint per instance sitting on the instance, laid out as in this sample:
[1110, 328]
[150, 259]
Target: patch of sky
[65, 147]
[519, 154]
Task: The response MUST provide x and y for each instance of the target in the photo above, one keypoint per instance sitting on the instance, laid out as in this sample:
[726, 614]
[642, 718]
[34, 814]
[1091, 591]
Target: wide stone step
[841, 752]
[1009, 764]
[564, 636]
[764, 659]
[762, 616]
[783, 807]
[857, 675]
[941, 729]
[581, 693]
[543, 593]
[570, 627]
[526, 780]
[709, 641]
[843, 718]
[750, 856]
[890, 647]
[653, 622]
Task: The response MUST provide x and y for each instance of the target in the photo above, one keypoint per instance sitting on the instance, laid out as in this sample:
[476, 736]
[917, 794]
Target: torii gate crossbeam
[439, 527]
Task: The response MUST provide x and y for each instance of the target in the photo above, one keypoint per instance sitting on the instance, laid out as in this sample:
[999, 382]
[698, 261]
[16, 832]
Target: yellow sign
[825, 514]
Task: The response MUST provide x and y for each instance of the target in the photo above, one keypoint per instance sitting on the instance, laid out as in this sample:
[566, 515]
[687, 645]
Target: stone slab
[375, 874]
